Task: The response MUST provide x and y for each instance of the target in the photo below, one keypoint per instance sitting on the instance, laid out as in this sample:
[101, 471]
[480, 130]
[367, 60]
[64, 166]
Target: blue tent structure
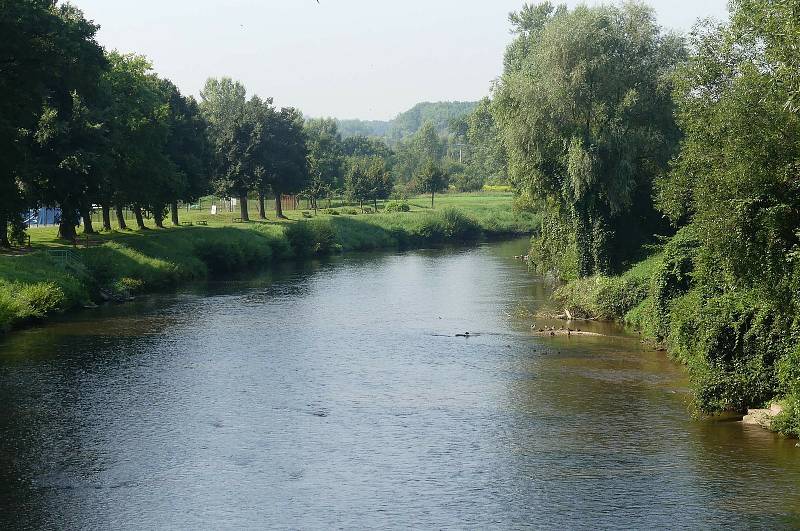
[43, 216]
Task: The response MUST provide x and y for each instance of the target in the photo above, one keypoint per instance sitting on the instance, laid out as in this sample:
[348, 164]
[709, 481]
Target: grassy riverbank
[120, 264]
[741, 350]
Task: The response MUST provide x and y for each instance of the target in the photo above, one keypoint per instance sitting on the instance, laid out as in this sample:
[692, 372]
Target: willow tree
[585, 109]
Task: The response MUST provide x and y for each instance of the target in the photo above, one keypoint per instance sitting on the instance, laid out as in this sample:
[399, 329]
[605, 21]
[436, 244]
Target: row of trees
[80, 126]
[84, 128]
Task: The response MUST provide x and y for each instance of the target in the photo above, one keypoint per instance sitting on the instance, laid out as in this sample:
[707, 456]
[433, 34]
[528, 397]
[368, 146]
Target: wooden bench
[187, 223]
[202, 222]
[237, 220]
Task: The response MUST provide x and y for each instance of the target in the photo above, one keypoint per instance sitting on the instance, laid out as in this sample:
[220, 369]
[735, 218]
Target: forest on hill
[405, 124]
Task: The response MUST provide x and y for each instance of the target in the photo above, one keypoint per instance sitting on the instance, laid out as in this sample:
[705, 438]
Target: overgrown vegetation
[707, 136]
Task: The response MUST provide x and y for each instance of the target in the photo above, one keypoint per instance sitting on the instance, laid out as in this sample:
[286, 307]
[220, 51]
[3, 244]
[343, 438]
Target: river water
[334, 395]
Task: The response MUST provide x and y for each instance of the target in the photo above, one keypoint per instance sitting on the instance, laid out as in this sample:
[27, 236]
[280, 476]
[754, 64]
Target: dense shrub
[311, 238]
[466, 182]
[397, 206]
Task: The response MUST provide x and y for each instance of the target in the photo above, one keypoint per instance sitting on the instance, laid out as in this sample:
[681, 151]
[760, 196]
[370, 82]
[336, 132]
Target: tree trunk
[137, 212]
[106, 216]
[173, 208]
[158, 217]
[66, 227]
[432, 193]
[121, 218]
[262, 211]
[375, 203]
[4, 242]
[86, 214]
[243, 208]
[279, 207]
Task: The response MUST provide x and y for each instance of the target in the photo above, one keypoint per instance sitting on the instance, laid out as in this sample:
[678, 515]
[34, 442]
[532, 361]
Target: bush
[350, 211]
[332, 212]
[22, 302]
[311, 238]
[127, 287]
[41, 298]
[307, 214]
[397, 206]
[466, 182]
[450, 224]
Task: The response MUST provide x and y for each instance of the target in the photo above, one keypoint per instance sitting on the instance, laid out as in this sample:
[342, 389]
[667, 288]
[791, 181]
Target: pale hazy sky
[368, 59]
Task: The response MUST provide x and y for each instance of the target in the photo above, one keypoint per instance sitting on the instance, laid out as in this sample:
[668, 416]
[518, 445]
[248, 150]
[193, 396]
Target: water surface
[334, 395]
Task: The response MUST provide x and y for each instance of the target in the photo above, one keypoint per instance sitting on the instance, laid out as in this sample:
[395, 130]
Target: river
[334, 395]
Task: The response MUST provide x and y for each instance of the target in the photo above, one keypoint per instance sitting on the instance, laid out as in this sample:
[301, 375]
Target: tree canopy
[585, 109]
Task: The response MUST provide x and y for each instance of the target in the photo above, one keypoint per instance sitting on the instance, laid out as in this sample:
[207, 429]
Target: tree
[423, 147]
[586, 113]
[49, 60]
[358, 184]
[325, 159]
[362, 146]
[734, 189]
[430, 179]
[287, 172]
[187, 147]
[487, 155]
[138, 172]
[368, 179]
[233, 131]
[737, 176]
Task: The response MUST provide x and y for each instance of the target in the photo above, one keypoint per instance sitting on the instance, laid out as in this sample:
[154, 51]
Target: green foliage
[430, 179]
[422, 149]
[406, 124]
[311, 238]
[397, 206]
[325, 158]
[367, 179]
[586, 115]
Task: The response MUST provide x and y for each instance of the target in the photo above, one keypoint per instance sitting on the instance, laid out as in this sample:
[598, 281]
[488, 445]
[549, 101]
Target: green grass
[121, 263]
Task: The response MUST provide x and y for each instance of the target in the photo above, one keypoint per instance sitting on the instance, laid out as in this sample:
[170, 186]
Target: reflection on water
[335, 395]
